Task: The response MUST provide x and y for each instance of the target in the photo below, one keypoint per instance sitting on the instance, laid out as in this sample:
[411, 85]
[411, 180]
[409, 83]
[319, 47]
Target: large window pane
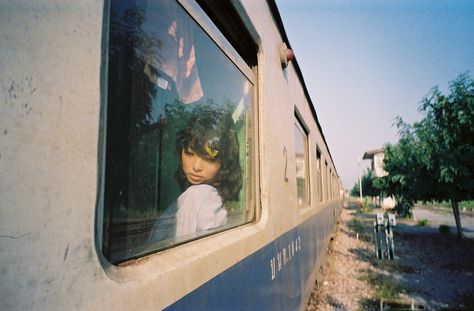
[179, 132]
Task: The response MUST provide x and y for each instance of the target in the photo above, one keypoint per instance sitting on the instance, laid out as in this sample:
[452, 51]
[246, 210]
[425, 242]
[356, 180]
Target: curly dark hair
[213, 128]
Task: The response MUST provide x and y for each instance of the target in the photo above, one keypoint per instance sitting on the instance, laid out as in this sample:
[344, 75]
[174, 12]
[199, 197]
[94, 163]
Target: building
[377, 166]
[376, 156]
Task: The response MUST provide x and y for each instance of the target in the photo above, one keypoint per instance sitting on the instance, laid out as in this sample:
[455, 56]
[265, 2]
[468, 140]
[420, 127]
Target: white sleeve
[188, 206]
[200, 208]
[211, 213]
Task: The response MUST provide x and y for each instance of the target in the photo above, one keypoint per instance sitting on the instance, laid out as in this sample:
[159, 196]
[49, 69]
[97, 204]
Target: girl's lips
[195, 178]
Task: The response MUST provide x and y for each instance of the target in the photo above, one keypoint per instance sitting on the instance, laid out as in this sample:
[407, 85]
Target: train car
[158, 154]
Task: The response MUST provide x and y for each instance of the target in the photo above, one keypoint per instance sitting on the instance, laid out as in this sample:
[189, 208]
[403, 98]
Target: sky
[366, 62]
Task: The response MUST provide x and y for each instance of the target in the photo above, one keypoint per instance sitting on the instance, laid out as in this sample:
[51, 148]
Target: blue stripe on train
[273, 278]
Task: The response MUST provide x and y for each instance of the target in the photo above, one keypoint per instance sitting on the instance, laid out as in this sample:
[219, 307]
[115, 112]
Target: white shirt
[200, 208]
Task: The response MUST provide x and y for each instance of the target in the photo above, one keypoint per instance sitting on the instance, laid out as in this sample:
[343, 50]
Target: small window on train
[326, 181]
[302, 167]
[180, 130]
[330, 184]
[319, 176]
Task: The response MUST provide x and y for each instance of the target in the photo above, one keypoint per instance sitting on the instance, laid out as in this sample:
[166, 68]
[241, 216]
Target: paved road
[436, 218]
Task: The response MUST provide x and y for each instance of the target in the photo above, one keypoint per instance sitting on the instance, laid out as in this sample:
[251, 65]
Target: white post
[360, 184]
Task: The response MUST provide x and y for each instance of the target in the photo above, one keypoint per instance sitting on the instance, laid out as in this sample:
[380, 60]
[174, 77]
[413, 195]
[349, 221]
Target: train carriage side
[93, 95]
[311, 193]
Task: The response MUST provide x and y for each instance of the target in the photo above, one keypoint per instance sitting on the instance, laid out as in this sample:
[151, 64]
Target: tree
[368, 185]
[449, 130]
[355, 190]
[434, 158]
[407, 163]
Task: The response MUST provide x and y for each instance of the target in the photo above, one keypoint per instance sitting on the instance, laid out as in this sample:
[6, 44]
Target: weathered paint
[51, 115]
[273, 278]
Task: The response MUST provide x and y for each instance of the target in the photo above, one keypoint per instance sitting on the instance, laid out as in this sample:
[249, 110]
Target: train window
[232, 27]
[326, 181]
[319, 176]
[330, 184]
[180, 129]
[302, 167]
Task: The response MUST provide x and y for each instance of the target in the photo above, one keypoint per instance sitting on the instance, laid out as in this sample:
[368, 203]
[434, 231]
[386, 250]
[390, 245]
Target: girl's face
[199, 170]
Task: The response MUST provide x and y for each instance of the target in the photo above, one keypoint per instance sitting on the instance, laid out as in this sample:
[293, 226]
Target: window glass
[326, 181]
[180, 130]
[319, 176]
[330, 184]
[302, 170]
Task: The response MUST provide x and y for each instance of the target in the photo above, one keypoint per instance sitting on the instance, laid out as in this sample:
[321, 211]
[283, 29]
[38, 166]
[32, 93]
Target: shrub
[423, 222]
[404, 208]
[443, 229]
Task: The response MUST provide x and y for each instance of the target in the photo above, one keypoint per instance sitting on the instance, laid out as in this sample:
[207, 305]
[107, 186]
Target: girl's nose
[197, 164]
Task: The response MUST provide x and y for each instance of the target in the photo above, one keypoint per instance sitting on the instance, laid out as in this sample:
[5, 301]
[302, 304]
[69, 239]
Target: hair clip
[211, 152]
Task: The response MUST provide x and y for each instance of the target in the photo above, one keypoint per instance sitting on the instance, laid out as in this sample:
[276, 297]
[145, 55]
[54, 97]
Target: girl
[209, 174]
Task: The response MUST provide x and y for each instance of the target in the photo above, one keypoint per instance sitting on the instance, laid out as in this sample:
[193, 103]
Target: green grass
[384, 286]
[356, 225]
[423, 222]
[469, 205]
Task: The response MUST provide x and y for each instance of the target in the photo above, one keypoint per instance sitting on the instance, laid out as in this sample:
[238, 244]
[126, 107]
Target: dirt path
[431, 270]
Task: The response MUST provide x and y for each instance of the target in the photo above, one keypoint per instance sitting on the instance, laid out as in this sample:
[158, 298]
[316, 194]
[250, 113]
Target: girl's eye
[210, 159]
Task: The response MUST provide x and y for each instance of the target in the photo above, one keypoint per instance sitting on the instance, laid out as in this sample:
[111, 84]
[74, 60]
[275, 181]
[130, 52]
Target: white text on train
[284, 256]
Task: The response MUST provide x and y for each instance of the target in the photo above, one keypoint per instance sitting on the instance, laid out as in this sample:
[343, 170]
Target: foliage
[465, 205]
[423, 222]
[448, 129]
[355, 190]
[443, 229]
[434, 158]
[404, 208]
[406, 164]
[384, 286]
[369, 187]
[366, 207]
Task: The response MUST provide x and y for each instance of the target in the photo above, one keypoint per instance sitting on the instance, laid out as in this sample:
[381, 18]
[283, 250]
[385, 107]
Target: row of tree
[434, 158]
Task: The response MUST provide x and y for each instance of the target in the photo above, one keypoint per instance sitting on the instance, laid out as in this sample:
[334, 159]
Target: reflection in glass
[319, 176]
[164, 73]
[301, 156]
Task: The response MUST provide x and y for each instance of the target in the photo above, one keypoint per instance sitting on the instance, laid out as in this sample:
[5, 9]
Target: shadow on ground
[431, 269]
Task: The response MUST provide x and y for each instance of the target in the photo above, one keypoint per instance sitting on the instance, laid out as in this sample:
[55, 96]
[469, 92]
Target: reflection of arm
[168, 46]
[165, 227]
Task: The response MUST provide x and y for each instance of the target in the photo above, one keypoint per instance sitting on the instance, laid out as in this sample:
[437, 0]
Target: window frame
[209, 27]
[319, 176]
[203, 21]
[326, 181]
[299, 124]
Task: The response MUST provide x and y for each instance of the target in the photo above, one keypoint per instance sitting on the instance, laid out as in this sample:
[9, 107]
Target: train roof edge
[279, 22]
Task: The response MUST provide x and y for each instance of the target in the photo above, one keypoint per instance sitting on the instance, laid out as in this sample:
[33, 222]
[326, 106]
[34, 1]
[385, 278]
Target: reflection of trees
[132, 85]
[129, 101]
[129, 126]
